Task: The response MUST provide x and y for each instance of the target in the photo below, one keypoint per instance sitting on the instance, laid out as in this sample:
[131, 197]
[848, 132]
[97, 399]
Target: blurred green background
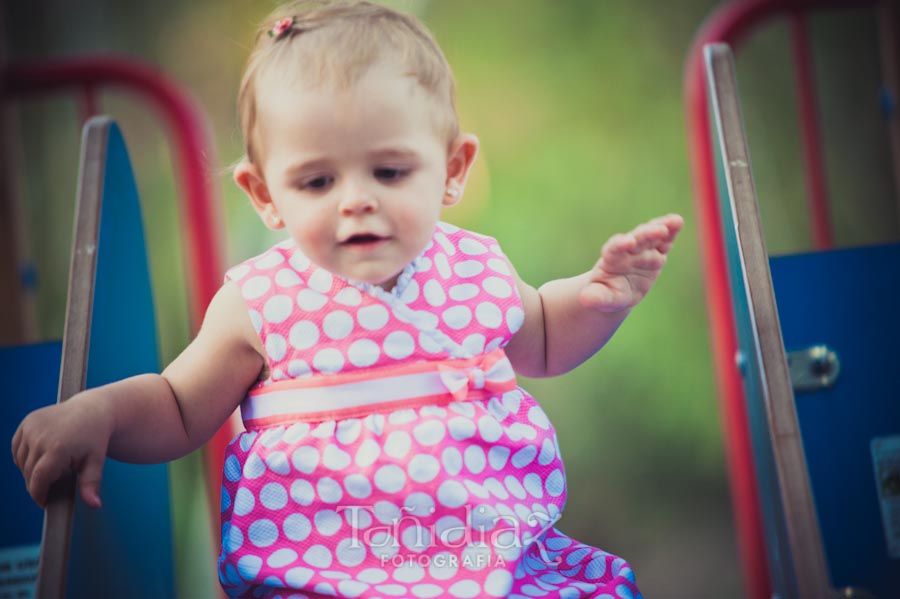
[578, 105]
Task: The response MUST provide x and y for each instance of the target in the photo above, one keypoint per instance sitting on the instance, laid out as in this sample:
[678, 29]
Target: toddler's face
[358, 175]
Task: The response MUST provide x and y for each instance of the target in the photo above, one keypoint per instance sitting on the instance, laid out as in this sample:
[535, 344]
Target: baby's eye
[317, 183]
[390, 174]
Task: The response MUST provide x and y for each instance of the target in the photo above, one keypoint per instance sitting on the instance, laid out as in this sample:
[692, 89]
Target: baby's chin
[386, 282]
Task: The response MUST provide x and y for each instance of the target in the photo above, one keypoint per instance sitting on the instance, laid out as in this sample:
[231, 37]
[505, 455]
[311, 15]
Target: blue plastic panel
[124, 549]
[30, 379]
[847, 299]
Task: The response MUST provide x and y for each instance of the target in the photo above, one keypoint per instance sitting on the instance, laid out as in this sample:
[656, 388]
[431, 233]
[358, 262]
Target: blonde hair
[336, 42]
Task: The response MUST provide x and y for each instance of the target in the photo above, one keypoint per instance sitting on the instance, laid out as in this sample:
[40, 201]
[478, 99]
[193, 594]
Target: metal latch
[814, 368]
[854, 593]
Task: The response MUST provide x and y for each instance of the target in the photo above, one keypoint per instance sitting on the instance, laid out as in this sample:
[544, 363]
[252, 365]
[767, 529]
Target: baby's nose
[357, 199]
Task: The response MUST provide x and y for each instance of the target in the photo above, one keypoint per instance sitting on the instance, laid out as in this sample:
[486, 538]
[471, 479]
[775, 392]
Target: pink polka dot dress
[390, 453]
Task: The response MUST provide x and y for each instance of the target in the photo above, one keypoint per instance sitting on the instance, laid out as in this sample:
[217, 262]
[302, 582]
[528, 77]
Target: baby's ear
[249, 178]
[460, 159]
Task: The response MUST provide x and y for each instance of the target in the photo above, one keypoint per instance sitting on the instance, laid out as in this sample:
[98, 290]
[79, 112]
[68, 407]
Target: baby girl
[388, 449]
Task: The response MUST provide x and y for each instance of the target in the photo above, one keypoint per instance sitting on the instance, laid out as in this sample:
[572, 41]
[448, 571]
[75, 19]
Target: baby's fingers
[648, 261]
[649, 236]
[657, 234]
[19, 449]
[16, 440]
[618, 245]
[632, 250]
[89, 481]
[662, 227]
[623, 245]
[673, 224]
[44, 473]
[672, 220]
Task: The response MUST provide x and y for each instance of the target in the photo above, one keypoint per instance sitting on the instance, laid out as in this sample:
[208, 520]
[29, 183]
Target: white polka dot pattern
[392, 504]
[459, 290]
[426, 475]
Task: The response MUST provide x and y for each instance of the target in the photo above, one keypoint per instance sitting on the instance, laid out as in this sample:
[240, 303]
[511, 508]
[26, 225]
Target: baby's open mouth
[363, 239]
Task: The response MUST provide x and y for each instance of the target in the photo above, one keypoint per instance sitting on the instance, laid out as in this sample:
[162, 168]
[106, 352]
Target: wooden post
[807, 574]
[57, 533]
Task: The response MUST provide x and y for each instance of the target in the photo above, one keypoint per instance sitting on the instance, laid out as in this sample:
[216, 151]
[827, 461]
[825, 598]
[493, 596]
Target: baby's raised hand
[629, 265]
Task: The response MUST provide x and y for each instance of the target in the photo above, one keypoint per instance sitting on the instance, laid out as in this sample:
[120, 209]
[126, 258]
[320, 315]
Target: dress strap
[333, 397]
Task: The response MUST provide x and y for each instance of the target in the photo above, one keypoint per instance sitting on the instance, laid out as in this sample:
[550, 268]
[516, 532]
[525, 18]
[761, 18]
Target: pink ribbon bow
[494, 374]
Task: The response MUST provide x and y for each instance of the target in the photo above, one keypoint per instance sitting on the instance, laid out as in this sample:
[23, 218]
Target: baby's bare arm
[148, 418]
[558, 333]
[569, 320]
[197, 392]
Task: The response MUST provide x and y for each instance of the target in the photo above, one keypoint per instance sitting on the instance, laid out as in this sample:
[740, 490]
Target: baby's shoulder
[469, 243]
[466, 260]
[282, 253]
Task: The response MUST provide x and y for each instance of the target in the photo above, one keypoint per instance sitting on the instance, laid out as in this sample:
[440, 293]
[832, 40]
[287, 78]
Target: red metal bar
[200, 212]
[738, 449]
[202, 221]
[816, 188]
[729, 24]
[90, 105]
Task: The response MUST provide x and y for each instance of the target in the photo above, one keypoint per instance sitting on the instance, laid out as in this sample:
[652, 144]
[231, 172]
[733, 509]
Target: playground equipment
[809, 403]
[109, 296]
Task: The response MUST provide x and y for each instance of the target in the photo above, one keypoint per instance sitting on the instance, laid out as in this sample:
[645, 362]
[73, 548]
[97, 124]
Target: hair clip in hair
[281, 27]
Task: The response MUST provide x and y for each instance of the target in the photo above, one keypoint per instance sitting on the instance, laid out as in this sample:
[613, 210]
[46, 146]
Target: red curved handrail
[200, 211]
[190, 140]
[731, 24]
